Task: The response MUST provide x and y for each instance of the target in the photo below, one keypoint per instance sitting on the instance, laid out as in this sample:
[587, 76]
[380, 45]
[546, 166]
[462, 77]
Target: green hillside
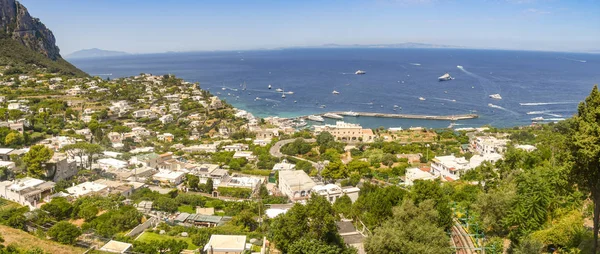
[23, 59]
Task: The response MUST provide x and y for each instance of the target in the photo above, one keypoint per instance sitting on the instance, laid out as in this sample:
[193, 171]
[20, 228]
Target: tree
[423, 190]
[412, 230]
[64, 232]
[324, 138]
[14, 139]
[343, 205]
[584, 145]
[208, 188]
[88, 212]
[166, 204]
[335, 170]
[310, 246]
[58, 208]
[493, 207]
[35, 158]
[192, 181]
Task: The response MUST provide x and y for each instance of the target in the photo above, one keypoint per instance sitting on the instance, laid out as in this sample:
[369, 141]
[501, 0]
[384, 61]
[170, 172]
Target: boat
[397, 107]
[270, 86]
[316, 118]
[350, 113]
[360, 72]
[333, 116]
[283, 96]
[445, 91]
[295, 101]
[496, 96]
[459, 66]
[244, 86]
[421, 98]
[335, 92]
[451, 125]
[539, 118]
[218, 93]
[290, 92]
[279, 90]
[257, 99]
[445, 77]
[322, 106]
[223, 88]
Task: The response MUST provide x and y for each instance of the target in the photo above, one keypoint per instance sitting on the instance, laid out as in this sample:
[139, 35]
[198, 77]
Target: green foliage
[15, 53]
[170, 246]
[310, 246]
[314, 222]
[584, 145]
[425, 190]
[343, 205]
[115, 221]
[374, 204]
[493, 207]
[412, 230]
[37, 155]
[88, 212]
[234, 192]
[565, 232]
[64, 232]
[165, 204]
[298, 147]
[58, 208]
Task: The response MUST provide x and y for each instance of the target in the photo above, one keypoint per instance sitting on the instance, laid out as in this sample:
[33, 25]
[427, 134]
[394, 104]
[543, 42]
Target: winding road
[276, 149]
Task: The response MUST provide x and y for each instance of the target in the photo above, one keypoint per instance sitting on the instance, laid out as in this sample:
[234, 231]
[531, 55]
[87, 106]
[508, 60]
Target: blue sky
[189, 25]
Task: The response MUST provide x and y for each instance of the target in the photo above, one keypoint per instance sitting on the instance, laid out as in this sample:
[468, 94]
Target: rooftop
[169, 175]
[226, 243]
[116, 247]
[297, 179]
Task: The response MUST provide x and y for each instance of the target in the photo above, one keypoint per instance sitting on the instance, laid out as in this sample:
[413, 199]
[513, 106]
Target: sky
[152, 26]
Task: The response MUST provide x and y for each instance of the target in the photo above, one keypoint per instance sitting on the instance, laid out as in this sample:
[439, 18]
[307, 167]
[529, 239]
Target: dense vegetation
[23, 60]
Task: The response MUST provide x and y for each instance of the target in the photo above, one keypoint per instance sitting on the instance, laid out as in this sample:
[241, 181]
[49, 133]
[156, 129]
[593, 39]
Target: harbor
[403, 116]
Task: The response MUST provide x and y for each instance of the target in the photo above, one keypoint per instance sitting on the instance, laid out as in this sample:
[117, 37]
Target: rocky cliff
[17, 24]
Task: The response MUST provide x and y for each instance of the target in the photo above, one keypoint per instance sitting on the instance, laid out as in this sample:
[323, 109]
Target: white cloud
[536, 11]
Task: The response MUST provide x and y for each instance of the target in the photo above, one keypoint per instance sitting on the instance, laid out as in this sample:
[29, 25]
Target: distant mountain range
[396, 45]
[95, 53]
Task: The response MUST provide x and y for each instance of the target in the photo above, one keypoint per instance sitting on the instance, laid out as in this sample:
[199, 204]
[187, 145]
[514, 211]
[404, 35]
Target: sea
[532, 84]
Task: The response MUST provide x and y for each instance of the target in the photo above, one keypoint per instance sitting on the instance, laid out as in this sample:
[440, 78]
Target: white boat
[283, 96]
[333, 116]
[244, 86]
[496, 96]
[445, 77]
[223, 88]
[322, 106]
[335, 92]
[451, 125]
[421, 98]
[459, 66]
[270, 86]
[539, 118]
[295, 101]
[397, 107]
[279, 90]
[257, 99]
[350, 113]
[360, 72]
[290, 92]
[315, 118]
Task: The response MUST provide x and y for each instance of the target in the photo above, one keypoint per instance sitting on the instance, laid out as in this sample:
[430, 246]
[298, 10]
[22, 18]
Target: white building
[226, 244]
[527, 148]
[242, 182]
[348, 132]
[284, 165]
[245, 154]
[110, 163]
[296, 184]
[116, 247]
[85, 188]
[413, 174]
[489, 144]
[166, 119]
[235, 147]
[169, 177]
[26, 191]
[451, 168]
[332, 192]
[207, 148]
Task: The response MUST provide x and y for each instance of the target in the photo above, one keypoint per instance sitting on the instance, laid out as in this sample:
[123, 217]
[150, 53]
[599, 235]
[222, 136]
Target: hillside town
[134, 140]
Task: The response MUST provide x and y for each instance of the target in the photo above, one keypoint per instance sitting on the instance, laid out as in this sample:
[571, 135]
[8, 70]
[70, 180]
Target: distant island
[395, 45]
[95, 53]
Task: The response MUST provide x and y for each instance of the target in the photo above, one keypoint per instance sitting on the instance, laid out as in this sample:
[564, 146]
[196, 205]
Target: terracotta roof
[448, 179]
[425, 169]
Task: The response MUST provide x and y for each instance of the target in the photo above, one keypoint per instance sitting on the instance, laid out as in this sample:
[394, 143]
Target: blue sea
[532, 84]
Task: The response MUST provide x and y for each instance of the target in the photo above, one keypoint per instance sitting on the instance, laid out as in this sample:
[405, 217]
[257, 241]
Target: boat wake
[271, 100]
[415, 64]
[546, 103]
[574, 60]
[502, 108]
[545, 112]
[442, 99]
[229, 88]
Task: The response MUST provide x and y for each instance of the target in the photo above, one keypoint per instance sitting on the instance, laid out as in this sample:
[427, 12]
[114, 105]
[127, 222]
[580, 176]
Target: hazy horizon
[186, 26]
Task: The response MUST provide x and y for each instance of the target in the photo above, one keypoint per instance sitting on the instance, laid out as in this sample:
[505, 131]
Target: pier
[409, 116]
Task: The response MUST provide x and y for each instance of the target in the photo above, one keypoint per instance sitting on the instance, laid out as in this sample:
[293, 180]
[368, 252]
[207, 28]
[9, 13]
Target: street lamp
[427, 158]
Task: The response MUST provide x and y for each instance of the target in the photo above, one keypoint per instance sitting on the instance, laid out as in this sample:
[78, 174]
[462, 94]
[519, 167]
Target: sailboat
[244, 86]
[269, 86]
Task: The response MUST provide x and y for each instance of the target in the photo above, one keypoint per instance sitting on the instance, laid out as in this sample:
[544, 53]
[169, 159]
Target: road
[276, 149]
